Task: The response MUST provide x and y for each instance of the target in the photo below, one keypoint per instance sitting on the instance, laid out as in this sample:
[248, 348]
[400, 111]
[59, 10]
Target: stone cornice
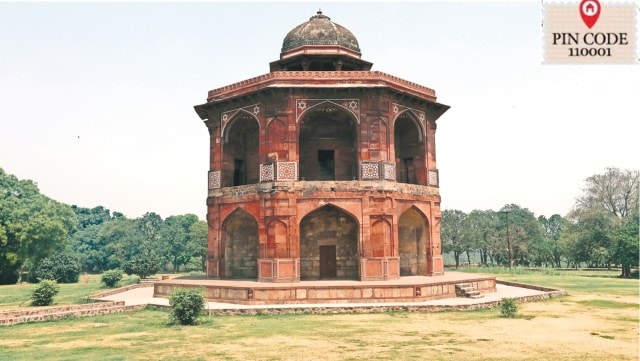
[321, 79]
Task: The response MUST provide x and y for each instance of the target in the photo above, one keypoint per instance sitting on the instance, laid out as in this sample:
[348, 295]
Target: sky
[96, 99]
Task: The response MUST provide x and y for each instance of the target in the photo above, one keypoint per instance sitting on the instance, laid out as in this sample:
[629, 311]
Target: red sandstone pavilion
[323, 170]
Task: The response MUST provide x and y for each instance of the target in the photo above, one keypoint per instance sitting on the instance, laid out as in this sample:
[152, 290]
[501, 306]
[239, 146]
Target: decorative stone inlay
[370, 170]
[214, 179]
[287, 171]
[421, 117]
[433, 177]
[389, 171]
[266, 172]
[350, 105]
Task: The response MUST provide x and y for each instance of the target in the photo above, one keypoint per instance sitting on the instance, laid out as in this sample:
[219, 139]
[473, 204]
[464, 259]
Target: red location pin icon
[590, 12]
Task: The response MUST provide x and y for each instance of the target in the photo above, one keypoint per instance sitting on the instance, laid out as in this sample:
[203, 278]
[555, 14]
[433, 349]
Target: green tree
[552, 228]
[593, 232]
[144, 263]
[615, 191]
[598, 223]
[176, 235]
[62, 267]
[523, 229]
[452, 233]
[92, 250]
[149, 227]
[198, 242]
[627, 246]
[32, 226]
[479, 229]
[120, 240]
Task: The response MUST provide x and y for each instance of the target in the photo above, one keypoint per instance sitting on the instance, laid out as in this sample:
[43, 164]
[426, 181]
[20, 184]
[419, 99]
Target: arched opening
[327, 145]
[409, 149]
[240, 245]
[277, 236]
[240, 159]
[413, 239]
[380, 239]
[328, 245]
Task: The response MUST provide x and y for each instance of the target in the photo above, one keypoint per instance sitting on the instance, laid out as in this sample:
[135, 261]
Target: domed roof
[320, 30]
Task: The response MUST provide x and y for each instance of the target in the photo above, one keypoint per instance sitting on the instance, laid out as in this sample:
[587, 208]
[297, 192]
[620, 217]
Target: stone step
[466, 290]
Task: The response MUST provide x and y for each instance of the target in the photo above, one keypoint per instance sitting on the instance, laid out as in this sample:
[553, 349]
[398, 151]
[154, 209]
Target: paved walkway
[144, 295]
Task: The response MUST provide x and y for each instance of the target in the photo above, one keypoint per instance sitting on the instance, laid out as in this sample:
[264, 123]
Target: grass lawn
[598, 320]
[19, 296]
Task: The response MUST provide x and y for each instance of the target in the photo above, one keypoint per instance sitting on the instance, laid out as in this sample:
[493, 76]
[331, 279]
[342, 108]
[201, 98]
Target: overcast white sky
[96, 99]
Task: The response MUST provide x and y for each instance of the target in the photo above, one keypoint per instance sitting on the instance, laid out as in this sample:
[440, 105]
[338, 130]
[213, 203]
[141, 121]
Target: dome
[320, 30]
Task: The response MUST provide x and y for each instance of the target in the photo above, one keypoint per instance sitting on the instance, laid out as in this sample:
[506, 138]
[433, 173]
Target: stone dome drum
[320, 30]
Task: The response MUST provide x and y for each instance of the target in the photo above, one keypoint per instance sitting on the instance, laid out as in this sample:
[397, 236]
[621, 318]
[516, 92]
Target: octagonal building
[322, 168]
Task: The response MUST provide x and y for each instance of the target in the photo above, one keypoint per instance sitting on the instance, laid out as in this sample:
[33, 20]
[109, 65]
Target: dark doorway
[406, 171]
[239, 172]
[332, 227]
[328, 262]
[240, 153]
[328, 145]
[326, 165]
[410, 150]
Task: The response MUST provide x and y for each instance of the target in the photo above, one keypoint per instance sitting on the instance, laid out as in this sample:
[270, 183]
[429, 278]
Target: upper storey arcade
[321, 114]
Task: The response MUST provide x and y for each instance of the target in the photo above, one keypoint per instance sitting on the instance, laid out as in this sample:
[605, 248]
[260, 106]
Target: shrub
[111, 278]
[186, 305]
[44, 293]
[132, 280]
[61, 267]
[509, 308]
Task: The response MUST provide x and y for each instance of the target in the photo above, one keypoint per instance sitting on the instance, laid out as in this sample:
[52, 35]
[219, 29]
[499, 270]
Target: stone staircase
[466, 290]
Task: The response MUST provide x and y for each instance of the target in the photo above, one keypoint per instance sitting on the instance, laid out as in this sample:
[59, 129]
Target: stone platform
[404, 289]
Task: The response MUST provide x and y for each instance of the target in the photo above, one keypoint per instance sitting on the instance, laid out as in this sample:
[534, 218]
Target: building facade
[322, 168]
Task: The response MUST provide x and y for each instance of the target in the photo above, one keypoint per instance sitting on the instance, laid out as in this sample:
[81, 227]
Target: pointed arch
[411, 115]
[239, 249]
[409, 149]
[352, 107]
[380, 239]
[329, 244]
[328, 144]
[277, 240]
[413, 242]
[240, 151]
[240, 114]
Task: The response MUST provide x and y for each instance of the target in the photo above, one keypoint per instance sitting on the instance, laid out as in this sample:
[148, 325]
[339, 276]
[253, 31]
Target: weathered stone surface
[325, 163]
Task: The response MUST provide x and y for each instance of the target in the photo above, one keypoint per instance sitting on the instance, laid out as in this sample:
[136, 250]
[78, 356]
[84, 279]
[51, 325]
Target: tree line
[600, 231]
[37, 230]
